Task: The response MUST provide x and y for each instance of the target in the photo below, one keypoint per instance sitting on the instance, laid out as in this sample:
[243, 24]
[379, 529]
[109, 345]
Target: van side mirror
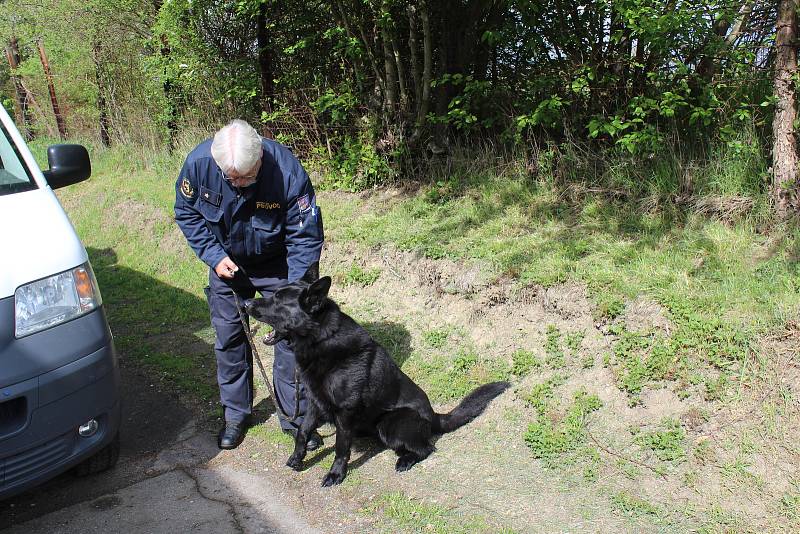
[69, 164]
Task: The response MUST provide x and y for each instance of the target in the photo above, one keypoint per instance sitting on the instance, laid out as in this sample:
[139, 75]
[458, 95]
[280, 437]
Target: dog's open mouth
[270, 338]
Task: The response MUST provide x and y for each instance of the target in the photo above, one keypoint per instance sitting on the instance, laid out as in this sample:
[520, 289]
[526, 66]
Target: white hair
[236, 147]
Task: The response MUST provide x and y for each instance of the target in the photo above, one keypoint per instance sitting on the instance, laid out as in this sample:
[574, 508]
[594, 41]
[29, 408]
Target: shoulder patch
[186, 188]
[303, 203]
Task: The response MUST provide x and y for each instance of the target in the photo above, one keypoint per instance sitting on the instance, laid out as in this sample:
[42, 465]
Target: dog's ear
[312, 273]
[312, 298]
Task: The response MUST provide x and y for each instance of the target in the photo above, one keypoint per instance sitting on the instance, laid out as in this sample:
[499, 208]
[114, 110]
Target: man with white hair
[248, 210]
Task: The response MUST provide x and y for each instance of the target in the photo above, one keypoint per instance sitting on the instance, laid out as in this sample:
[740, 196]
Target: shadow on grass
[394, 337]
[569, 225]
[158, 326]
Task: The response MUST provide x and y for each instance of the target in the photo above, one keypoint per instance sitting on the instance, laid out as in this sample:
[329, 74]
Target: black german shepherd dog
[351, 381]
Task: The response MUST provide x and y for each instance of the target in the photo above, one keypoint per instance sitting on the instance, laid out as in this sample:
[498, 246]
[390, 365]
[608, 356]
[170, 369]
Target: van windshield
[14, 174]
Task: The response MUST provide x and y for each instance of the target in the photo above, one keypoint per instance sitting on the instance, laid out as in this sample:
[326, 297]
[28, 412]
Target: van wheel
[105, 458]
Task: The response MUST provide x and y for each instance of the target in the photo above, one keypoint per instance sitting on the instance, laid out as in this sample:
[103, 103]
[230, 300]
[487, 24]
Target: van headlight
[55, 299]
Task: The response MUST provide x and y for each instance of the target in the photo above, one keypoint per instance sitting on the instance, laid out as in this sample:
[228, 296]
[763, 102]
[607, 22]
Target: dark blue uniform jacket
[275, 219]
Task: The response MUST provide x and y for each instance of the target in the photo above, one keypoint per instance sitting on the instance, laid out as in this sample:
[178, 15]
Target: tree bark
[413, 46]
[62, 128]
[389, 67]
[427, 64]
[784, 151]
[401, 76]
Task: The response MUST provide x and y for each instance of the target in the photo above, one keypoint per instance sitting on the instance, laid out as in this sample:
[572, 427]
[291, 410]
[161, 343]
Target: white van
[59, 376]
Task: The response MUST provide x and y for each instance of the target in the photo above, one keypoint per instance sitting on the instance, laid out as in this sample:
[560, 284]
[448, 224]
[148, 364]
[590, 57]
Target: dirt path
[171, 477]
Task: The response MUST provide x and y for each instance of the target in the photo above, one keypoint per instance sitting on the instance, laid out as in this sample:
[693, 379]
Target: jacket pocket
[210, 212]
[266, 233]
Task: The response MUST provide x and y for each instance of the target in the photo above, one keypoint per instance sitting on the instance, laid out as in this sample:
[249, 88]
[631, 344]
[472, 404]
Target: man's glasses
[246, 178]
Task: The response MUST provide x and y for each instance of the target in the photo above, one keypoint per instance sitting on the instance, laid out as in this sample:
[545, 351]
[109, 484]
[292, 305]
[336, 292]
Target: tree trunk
[62, 128]
[25, 119]
[265, 66]
[102, 107]
[784, 151]
[427, 64]
[401, 76]
[169, 96]
[390, 69]
[707, 66]
[379, 81]
[413, 46]
[741, 23]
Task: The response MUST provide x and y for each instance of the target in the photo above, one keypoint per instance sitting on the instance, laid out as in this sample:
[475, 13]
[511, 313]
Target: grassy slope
[723, 286]
[521, 229]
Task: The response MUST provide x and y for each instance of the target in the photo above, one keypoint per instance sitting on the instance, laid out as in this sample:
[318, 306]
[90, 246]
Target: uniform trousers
[234, 356]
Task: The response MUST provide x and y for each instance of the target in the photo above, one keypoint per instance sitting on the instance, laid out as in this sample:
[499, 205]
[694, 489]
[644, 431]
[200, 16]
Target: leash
[276, 402]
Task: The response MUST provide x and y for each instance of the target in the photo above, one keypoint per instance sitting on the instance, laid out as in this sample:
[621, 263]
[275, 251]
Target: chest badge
[186, 188]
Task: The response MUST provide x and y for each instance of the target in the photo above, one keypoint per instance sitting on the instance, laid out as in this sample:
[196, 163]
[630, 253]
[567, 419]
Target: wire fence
[305, 129]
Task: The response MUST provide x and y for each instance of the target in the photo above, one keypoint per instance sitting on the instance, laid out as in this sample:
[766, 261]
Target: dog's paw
[332, 479]
[405, 462]
[295, 463]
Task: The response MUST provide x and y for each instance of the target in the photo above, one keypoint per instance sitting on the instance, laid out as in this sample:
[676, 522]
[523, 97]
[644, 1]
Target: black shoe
[232, 435]
[314, 439]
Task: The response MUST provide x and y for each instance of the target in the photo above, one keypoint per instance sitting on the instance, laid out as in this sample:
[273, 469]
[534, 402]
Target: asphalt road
[171, 478]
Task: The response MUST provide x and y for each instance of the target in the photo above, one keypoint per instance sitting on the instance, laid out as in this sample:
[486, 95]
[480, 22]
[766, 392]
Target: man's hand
[226, 268]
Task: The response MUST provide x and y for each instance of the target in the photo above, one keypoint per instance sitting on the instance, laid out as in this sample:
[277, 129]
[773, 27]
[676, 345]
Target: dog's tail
[469, 408]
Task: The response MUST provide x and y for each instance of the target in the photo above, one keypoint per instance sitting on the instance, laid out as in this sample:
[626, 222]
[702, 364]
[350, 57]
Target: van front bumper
[41, 440]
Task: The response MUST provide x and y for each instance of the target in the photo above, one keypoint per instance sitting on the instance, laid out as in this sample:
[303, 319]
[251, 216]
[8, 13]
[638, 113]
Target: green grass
[541, 396]
[549, 439]
[632, 506]
[523, 362]
[668, 443]
[404, 514]
[790, 506]
[270, 433]
[446, 377]
[722, 284]
[573, 341]
[151, 282]
[436, 338]
[359, 276]
[554, 358]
